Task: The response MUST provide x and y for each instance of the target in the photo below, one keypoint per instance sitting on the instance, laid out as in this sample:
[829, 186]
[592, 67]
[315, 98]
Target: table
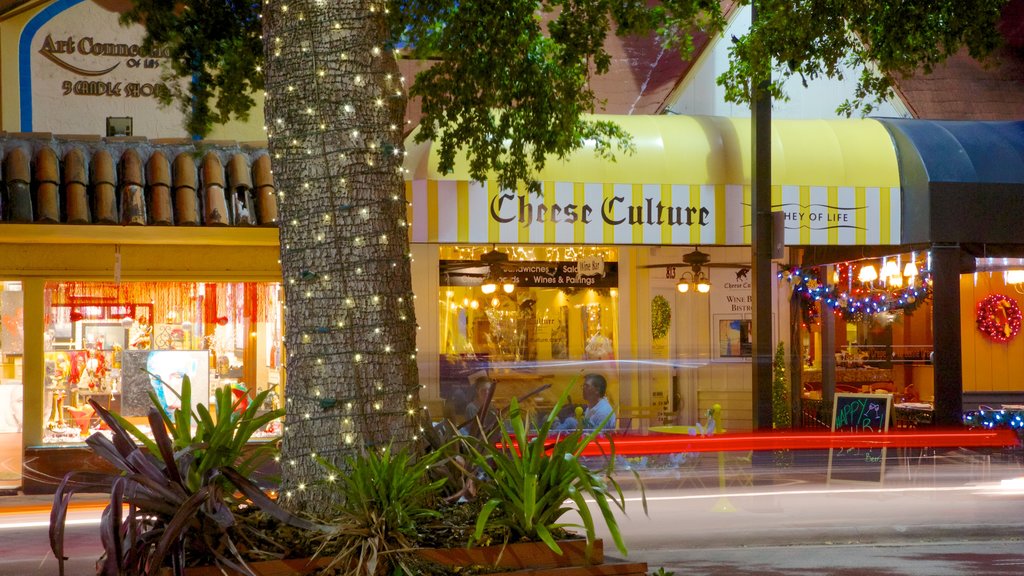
[691, 430]
[909, 415]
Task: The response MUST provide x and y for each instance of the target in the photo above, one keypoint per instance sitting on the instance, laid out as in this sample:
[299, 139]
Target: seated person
[455, 408]
[482, 393]
[566, 420]
[598, 406]
[480, 415]
[910, 393]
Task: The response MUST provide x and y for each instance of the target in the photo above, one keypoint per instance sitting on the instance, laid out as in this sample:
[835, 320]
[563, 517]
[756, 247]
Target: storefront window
[114, 343]
[12, 348]
[525, 322]
[882, 336]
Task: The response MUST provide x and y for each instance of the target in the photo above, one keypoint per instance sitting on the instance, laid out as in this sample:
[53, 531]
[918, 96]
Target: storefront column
[828, 354]
[33, 374]
[795, 363]
[948, 362]
[627, 336]
[426, 281]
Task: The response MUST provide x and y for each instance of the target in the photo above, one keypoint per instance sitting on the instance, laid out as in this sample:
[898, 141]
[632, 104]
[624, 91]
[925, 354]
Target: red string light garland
[999, 317]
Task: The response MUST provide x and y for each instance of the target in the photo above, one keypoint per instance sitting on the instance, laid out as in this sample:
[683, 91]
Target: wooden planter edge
[519, 559]
[517, 555]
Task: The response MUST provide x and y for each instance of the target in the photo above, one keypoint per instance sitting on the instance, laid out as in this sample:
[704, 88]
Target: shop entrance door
[670, 385]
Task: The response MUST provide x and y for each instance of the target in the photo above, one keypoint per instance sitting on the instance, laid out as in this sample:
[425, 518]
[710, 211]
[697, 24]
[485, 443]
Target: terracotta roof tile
[129, 181]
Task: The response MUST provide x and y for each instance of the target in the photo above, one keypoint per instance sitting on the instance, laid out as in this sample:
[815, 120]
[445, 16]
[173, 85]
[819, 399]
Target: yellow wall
[147, 253]
[988, 365]
[10, 30]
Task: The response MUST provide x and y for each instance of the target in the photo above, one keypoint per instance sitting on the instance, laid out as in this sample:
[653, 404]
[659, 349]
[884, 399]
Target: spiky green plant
[532, 481]
[218, 439]
[386, 497]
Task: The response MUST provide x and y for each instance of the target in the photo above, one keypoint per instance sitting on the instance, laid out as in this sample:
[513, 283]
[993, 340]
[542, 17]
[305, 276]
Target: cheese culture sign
[646, 213]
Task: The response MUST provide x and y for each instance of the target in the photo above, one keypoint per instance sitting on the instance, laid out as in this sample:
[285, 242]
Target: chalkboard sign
[859, 413]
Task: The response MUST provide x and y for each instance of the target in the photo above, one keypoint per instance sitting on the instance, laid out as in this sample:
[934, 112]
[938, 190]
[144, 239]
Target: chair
[626, 414]
[738, 467]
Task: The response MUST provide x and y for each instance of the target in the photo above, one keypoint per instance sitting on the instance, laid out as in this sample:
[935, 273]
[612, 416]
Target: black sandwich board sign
[865, 413]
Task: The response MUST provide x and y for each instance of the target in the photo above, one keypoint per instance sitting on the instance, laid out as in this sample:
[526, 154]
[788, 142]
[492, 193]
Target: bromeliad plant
[219, 439]
[182, 488]
[386, 498]
[532, 481]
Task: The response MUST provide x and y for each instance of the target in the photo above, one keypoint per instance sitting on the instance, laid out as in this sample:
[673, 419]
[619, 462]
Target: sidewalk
[36, 503]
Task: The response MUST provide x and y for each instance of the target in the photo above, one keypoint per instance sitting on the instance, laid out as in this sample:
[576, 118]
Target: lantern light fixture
[696, 280]
[867, 273]
[489, 286]
[889, 269]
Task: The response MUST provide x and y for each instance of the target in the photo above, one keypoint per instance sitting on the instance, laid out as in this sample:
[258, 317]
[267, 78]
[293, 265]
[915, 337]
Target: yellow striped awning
[837, 181]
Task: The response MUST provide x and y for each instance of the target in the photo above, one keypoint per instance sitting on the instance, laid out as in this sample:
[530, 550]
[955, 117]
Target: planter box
[610, 569]
[521, 559]
[518, 555]
[296, 567]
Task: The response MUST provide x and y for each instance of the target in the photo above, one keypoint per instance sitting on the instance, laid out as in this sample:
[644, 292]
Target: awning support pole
[761, 243]
[948, 362]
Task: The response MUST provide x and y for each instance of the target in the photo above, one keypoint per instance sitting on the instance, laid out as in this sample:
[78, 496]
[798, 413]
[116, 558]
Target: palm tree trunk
[334, 111]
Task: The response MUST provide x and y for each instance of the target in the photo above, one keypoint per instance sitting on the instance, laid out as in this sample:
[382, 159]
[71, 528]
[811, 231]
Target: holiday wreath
[661, 317]
[999, 317]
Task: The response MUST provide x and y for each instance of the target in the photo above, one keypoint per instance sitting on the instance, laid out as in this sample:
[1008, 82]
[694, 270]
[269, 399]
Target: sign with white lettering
[859, 413]
[532, 275]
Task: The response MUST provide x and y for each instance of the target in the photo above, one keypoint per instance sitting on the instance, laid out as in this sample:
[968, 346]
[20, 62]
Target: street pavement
[949, 558]
[935, 515]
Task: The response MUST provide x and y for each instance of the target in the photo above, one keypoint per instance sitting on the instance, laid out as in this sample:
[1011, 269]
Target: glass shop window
[113, 343]
[525, 318]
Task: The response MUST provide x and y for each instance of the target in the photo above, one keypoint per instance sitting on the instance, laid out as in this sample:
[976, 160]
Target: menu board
[864, 413]
[162, 371]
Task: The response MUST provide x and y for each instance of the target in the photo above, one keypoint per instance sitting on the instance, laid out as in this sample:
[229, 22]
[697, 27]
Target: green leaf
[530, 503]
[545, 537]
[481, 520]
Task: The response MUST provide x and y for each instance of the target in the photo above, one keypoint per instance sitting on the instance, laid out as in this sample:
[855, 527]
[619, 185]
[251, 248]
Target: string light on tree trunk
[335, 246]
